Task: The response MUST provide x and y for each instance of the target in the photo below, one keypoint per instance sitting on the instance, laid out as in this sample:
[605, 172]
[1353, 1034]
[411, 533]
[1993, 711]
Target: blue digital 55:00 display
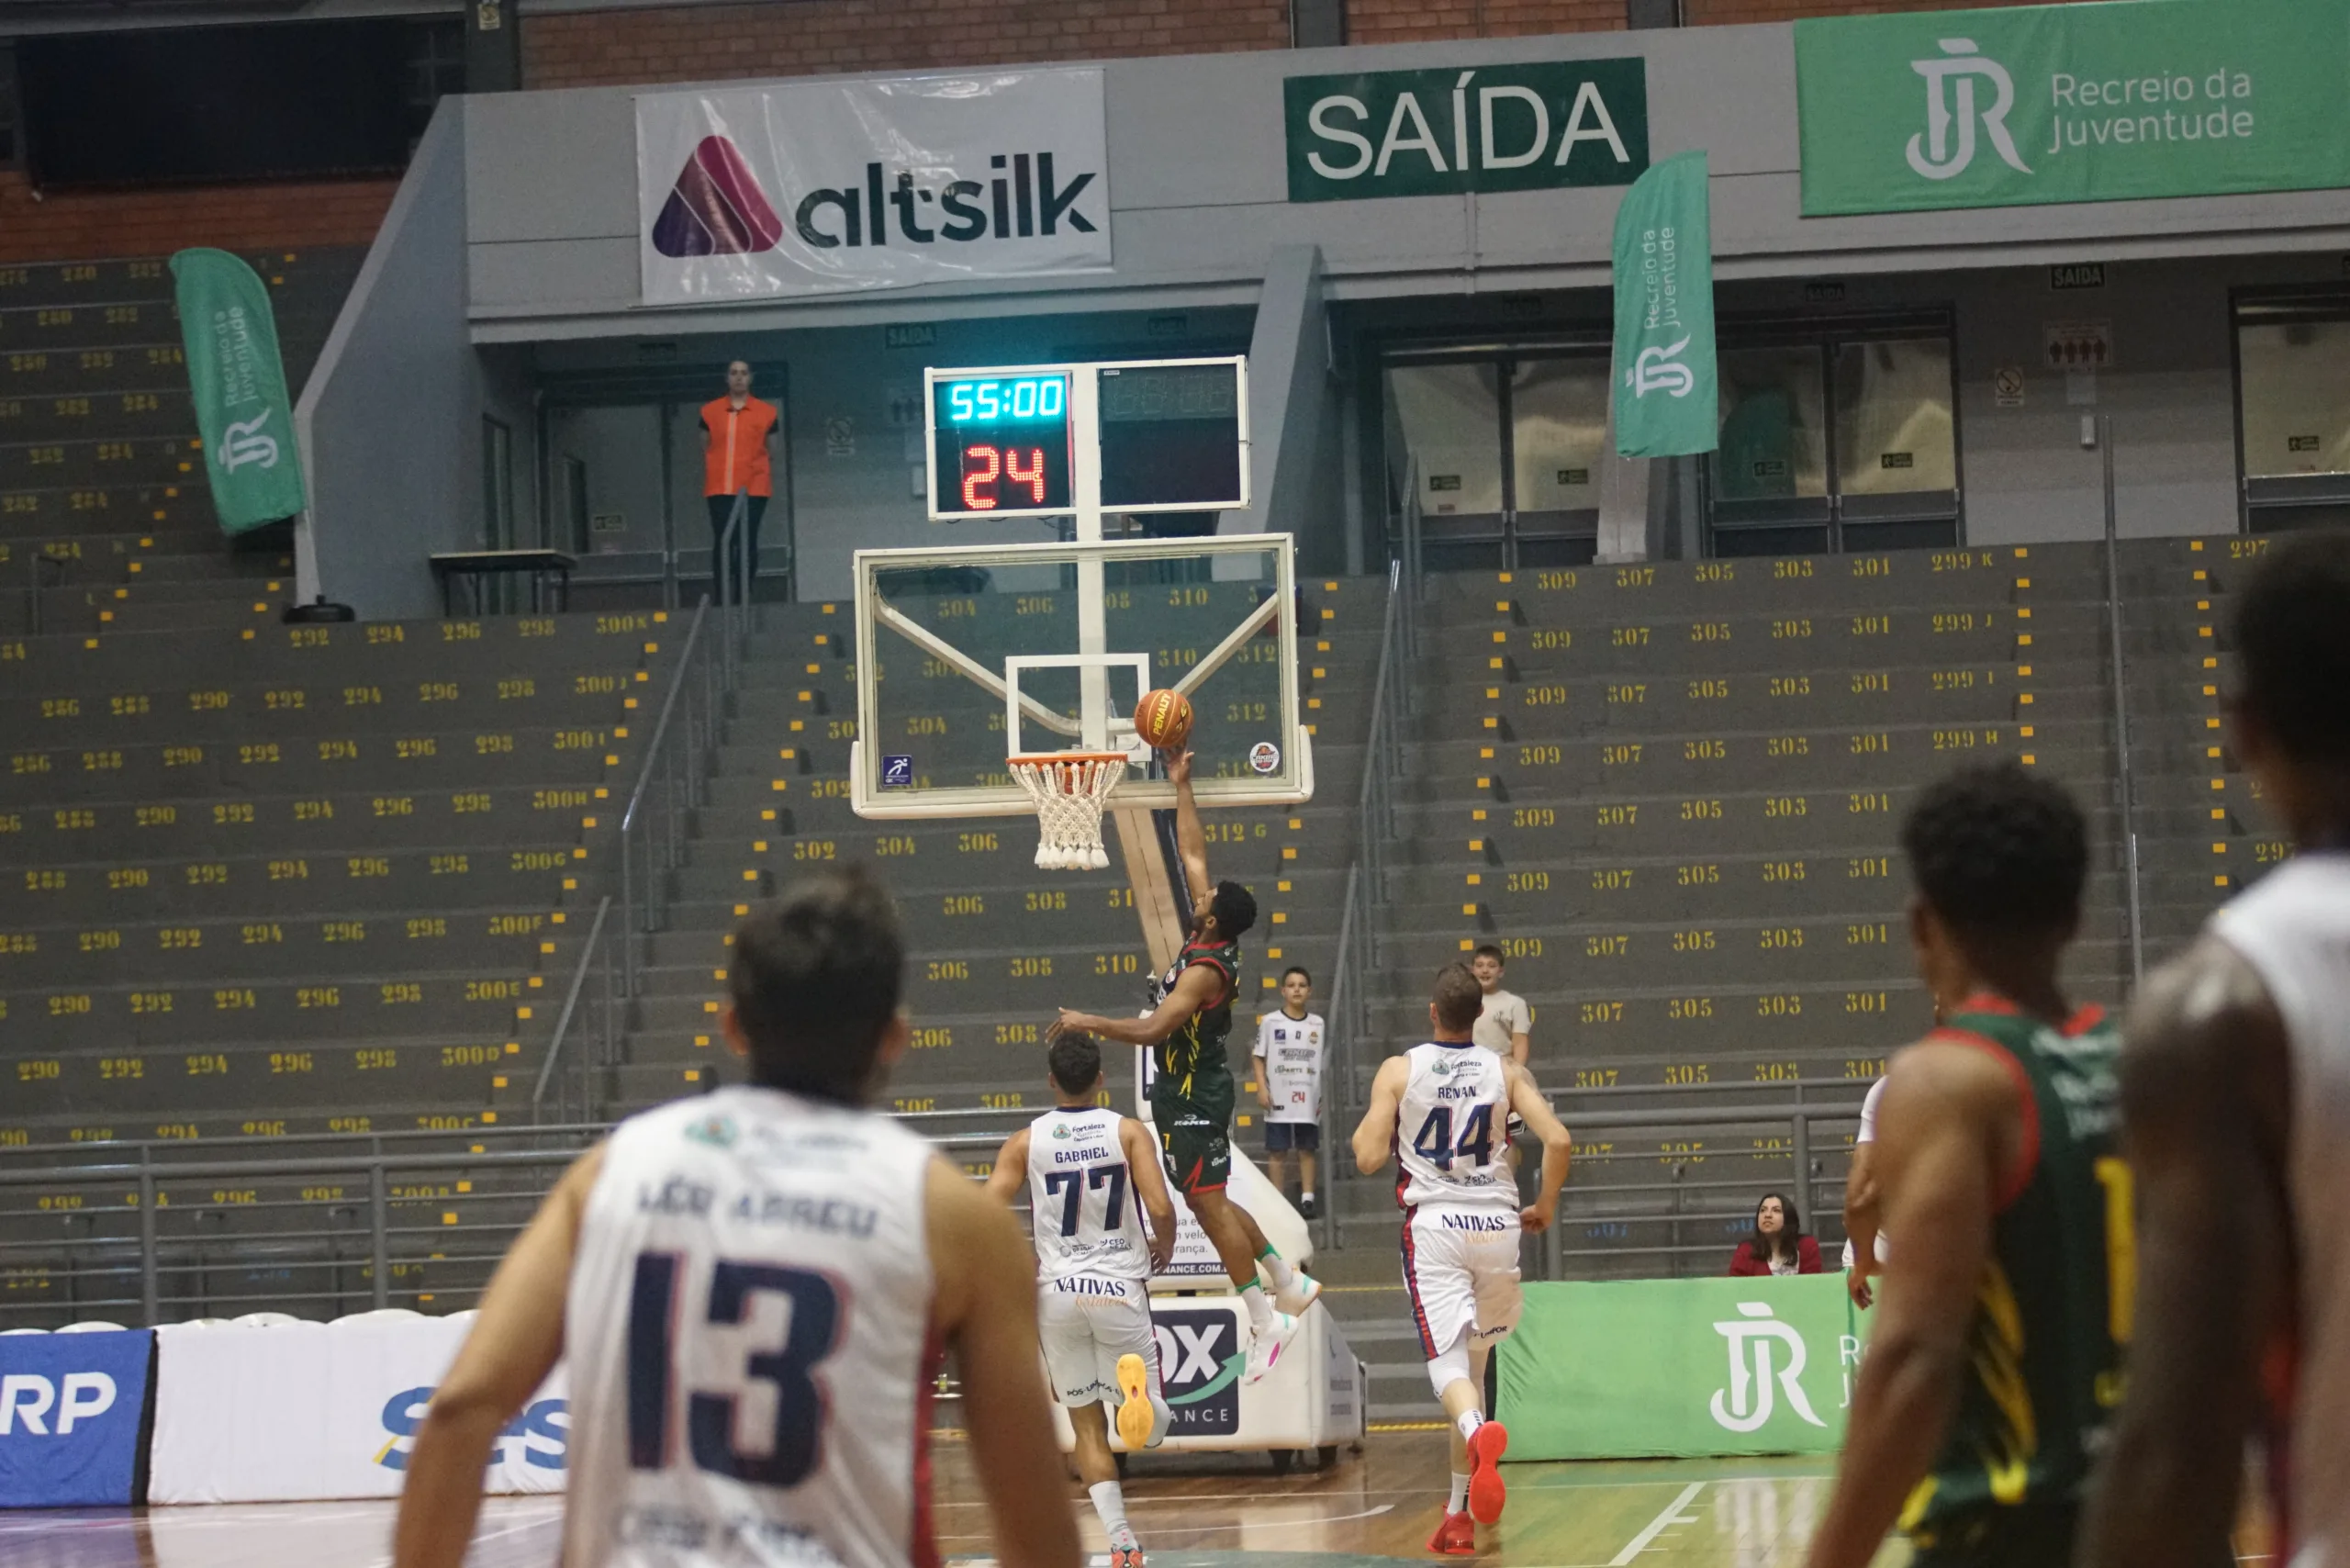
[1005, 400]
[1002, 444]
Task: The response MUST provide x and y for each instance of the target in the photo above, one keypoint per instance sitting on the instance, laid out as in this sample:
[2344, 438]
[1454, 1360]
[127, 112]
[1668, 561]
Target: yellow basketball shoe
[1136, 1419]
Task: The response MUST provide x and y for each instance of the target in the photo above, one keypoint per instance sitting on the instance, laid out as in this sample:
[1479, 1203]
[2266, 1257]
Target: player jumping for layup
[1092, 1176]
[751, 1288]
[1440, 1108]
[1191, 1093]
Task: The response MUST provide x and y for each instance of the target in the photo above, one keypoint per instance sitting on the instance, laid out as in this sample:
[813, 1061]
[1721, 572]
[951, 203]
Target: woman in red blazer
[1778, 1244]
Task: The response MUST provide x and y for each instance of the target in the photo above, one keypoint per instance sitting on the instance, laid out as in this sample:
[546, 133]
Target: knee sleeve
[1449, 1366]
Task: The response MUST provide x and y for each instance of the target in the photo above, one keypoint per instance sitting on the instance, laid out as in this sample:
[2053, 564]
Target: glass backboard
[965, 656]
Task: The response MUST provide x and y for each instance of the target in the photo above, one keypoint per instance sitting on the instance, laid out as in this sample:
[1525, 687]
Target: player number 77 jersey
[1451, 1137]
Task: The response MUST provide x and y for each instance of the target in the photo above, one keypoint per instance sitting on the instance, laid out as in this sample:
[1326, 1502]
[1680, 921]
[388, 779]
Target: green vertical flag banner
[1681, 1368]
[1666, 383]
[239, 385]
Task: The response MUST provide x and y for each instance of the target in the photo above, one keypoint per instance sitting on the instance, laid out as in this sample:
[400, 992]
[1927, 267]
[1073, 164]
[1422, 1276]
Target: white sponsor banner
[306, 1411]
[809, 188]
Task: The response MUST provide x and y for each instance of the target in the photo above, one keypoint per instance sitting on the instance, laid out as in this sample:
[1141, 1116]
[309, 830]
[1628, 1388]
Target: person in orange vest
[736, 433]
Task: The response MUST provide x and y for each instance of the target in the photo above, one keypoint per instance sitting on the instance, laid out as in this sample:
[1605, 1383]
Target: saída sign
[1487, 127]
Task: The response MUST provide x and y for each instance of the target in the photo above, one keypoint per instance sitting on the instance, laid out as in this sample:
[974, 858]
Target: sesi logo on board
[802, 188]
[543, 1428]
[1488, 128]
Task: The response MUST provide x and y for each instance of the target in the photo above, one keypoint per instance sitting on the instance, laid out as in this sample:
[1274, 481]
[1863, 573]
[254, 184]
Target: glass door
[1835, 441]
[2293, 411]
[1498, 451]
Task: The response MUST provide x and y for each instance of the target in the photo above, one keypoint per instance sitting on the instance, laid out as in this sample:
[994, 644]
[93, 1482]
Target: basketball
[1163, 718]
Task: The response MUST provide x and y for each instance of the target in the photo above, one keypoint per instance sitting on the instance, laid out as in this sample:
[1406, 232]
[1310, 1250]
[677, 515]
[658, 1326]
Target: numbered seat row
[333, 1003]
[133, 772]
[132, 1088]
[292, 885]
[150, 831]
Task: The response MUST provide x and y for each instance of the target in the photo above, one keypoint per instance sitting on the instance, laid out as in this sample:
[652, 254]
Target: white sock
[1459, 1502]
[1260, 1311]
[1110, 1501]
[1467, 1421]
[1305, 1195]
[1276, 1268]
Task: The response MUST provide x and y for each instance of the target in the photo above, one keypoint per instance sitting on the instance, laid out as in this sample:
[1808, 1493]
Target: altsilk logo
[716, 208]
[1932, 152]
[1749, 1404]
[242, 442]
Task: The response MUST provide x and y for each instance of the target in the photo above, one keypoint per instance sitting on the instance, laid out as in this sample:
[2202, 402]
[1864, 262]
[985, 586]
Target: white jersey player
[752, 1290]
[2235, 1101]
[1442, 1109]
[1092, 1177]
[1290, 1054]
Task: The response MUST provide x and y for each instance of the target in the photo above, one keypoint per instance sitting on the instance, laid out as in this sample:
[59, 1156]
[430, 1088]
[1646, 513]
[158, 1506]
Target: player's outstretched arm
[1196, 989]
[985, 1310]
[1558, 1147]
[1375, 1135]
[1011, 1172]
[1150, 1189]
[1947, 1128]
[515, 1342]
[1191, 838]
[2205, 1077]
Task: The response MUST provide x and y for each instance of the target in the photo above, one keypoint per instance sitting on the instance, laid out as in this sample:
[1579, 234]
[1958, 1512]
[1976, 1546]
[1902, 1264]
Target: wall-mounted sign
[2072, 103]
[1574, 475]
[1444, 481]
[1896, 460]
[2078, 345]
[2303, 443]
[1828, 292]
[2007, 386]
[808, 188]
[910, 335]
[2080, 275]
[1485, 128]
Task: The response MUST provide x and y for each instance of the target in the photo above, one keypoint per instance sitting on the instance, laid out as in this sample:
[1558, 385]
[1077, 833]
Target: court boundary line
[1658, 1526]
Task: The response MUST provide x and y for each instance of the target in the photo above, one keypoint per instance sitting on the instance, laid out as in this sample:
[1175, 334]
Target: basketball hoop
[1069, 789]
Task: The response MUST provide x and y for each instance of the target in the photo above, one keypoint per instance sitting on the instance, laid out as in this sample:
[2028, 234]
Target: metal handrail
[570, 1006]
[2127, 775]
[679, 773]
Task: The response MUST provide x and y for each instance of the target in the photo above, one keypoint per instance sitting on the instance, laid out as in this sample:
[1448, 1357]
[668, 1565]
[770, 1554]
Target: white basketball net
[1071, 788]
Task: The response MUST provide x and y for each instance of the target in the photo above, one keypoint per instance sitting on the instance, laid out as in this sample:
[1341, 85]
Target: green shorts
[2026, 1536]
[1195, 1135]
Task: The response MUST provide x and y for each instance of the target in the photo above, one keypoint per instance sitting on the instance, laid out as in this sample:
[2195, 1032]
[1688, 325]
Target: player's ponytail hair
[815, 983]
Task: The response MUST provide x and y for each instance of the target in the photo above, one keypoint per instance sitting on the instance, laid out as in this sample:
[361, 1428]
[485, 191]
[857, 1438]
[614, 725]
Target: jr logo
[1660, 370]
[1932, 154]
[245, 443]
[1749, 1402]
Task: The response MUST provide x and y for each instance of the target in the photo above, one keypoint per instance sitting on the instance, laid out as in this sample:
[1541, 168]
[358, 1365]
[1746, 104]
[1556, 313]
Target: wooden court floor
[1202, 1511]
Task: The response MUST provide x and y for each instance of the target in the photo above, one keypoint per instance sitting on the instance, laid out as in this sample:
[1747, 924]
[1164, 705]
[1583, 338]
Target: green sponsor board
[1667, 381]
[1680, 1368]
[238, 384]
[1487, 127]
[2072, 103]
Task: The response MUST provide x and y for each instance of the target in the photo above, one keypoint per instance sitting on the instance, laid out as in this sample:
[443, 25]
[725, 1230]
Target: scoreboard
[1076, 440]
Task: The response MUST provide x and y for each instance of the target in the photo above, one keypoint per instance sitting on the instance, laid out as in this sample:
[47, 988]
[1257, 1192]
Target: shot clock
[1000, 444]
[1080, 439]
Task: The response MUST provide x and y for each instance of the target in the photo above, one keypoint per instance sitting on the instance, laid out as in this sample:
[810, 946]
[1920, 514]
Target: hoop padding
[1069, 789]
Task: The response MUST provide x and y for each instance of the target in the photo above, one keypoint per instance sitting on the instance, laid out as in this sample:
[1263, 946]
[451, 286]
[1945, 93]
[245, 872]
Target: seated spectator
[1778, 1244]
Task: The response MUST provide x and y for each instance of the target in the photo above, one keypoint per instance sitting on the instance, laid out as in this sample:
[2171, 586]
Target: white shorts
[1461, 1268]
[1087, 1322]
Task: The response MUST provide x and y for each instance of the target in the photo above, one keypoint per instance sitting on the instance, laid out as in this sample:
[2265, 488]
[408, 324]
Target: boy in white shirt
[1288, 1054]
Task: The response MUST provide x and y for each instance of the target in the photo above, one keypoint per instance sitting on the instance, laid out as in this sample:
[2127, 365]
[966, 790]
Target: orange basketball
[1163, 719]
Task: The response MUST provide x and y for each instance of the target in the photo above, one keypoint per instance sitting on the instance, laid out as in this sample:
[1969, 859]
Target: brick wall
[702, 43]
[803, 37]
[69, 226]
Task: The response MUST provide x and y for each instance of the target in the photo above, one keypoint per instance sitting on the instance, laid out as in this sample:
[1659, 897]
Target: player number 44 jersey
[1451, 1137]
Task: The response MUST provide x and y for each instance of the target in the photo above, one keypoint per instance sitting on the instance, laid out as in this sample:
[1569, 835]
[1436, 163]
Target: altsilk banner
[813, 189]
